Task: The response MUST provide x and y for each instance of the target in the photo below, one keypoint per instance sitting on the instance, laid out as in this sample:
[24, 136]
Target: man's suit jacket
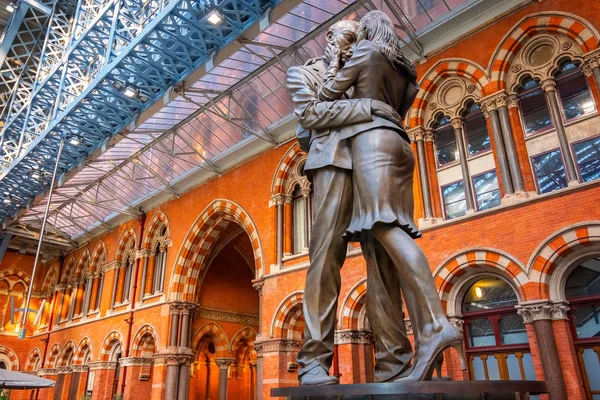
[320, 123]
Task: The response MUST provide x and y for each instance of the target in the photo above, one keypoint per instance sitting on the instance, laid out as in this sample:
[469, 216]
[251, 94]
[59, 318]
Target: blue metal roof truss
[79, 92]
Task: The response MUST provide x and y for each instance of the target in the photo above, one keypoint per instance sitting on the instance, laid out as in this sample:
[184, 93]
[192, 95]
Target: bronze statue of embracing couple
[361, 166]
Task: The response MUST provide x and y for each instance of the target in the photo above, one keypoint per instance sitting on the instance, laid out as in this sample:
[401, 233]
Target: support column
[223, 364]
[540, 313]
[277, 201]
[143, 284]
[171, 386]
[113, 295]
[432, 173]
[457, 124]
[288, 243]
[509, 143]
[184, 379]
[253, 380]
[549, 86]
[491, 112]
[307, 216]
[258, 285]
[418, 134]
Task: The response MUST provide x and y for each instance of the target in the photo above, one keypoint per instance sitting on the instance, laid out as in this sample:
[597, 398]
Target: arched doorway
[496, 338]
[582, 290]
[226, 322]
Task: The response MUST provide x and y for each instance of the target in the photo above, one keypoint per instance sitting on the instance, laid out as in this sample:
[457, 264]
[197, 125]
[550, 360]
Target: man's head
[342, 35]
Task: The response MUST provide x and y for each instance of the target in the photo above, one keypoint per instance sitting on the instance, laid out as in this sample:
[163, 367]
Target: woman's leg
[415, 277]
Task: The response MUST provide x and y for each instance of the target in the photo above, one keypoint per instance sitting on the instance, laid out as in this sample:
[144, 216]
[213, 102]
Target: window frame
[444, 203]
[450, 164]
[522, 117]
[559, 99]
[537, 187]
[466, 137]
[475, 194]
[572, 150]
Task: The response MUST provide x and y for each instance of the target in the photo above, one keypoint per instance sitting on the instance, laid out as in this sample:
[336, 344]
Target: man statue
[329, 167]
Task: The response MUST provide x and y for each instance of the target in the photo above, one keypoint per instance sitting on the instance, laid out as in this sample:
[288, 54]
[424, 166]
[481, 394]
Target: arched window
[534, 109]
[583, 292]
[497, 343]
[445, 142]
[477, 137]
[301, 210]
[160, 262]
[574, 92]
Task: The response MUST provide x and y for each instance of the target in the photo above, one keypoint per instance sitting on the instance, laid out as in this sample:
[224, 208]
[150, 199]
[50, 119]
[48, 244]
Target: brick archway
[111, 340]
[128, 237]
[289, 313]
[158, 220]
[84, 344]
[33, 359]
[199, 242]
[16, 272]
[291, 158]
[458, 264]
[443, 69]
[52, 356]
[142, 340]
[10, 356]
[570, 25]
[553, 251]
[218, 336]
[353, 306]
[63, 360]
[100, 255]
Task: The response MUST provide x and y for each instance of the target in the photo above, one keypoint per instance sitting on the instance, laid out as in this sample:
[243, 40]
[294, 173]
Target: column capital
[258, 285]
[143, 253]
[277, 199]
[64, 370]
[60, 286]
[457, 122]
[429, 135]
[458, 322]
[47, 371]
[224, 362]
[350, 336]
[416, 134]
[110, 266]
[591, 61]
[305, 192]
[182, 307]
[513, 101]
[494, 101]
[548, 85]
[277, 345]
[135, 361]
[538, 310]
[253, 365]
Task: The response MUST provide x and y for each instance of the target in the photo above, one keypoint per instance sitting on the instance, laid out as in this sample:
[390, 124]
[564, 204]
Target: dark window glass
[489, 294]
[478, 138]
[481, 333]
[586, 318]
[534, 108]
[574, 92]
[445, 142]
[584, 280]
[512, 329]
[487, 191]
[455, 203]
[549, 171]
[587, 155]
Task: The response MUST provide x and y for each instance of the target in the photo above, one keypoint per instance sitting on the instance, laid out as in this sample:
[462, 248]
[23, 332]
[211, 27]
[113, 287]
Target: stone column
[223, 364]
[174, 337]
[116, 274]
[354, 355]
[549, 86]
[490, 111]
[253, 380]
[591, 67]
[288, 243]
[278, 202]
[509, 143]
[145, 254]
[417, 135]
[428, 140]
[541, 313]
[457, 124]
[172, 376]
[307, 216]
[258, 285]
[184, 379]
[80, 373]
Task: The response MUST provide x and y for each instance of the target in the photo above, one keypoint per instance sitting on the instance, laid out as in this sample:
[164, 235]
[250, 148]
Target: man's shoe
[316, 377]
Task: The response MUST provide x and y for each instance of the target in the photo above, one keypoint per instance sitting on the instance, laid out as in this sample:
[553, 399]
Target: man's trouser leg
[332, 209]
[393, 350]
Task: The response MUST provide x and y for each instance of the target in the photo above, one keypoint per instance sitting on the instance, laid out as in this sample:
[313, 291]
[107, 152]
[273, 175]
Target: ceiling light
[74, 141]
[478, 292]
[215, 17]
[130, 92]
[10, 7]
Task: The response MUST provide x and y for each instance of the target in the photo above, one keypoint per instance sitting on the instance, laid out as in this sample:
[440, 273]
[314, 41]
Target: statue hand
[332, 56]
[385, 111]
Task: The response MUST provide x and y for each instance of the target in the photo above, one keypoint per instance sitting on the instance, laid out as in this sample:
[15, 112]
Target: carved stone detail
[353, 337]
[80, 368]
[566, 45]
[548, 85]
[538, 310]
[224, 362]
[513, 101]
[516, 68]
[277, 200]
[471, 88]
[429, 135]
[457, 122]
[64, 370]
[95, 365]
[416, 134]
[110, 266]
[458, 322]
[47, 371]
[277, 345]
[135, 361]
[219, 315]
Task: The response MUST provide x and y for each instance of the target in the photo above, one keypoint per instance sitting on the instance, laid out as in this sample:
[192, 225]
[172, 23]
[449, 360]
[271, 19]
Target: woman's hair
[379, 30]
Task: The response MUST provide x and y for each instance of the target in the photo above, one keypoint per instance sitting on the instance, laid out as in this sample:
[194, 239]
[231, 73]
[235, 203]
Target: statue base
[432, 390]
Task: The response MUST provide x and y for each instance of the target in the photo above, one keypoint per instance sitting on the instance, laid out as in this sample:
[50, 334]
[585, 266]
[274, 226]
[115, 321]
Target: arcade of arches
[201, 296]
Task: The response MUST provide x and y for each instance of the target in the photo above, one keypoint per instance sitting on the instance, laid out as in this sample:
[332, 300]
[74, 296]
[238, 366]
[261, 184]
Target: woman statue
[383, 166]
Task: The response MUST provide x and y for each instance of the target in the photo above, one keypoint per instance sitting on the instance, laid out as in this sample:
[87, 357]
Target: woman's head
[378, 28]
